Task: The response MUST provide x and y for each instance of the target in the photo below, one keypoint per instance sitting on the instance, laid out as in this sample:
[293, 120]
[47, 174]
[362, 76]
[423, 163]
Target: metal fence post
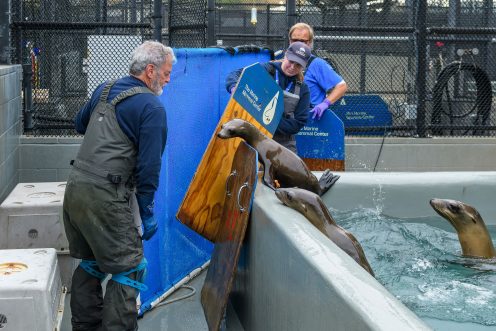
[421, 66]
[364, 21]
[291, 12]
[267, 29]
[27, 71]
[4, 32]
[157, 20]
[211, 22]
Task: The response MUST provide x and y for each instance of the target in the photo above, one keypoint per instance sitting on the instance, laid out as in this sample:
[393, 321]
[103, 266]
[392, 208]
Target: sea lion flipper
[268, 180]
[326, 181]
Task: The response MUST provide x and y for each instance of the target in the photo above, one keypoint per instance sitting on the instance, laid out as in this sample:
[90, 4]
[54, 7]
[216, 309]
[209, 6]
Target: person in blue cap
[125, 130]
[326, 86]
[288, 74]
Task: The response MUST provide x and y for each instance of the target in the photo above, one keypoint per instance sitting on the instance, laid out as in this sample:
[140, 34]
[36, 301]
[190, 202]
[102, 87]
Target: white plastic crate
[31, 293]
[31, 217]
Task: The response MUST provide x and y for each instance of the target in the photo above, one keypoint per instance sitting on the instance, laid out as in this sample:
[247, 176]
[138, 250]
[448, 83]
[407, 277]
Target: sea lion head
[298, 199]
[234, 128]
[459, 214]
[469, 225]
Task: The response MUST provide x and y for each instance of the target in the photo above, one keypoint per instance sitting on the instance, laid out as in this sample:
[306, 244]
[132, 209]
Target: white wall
[420, 154]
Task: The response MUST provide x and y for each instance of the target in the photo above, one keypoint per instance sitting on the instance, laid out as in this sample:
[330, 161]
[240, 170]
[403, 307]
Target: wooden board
[257, 99]
[322, 164]
[238, 199]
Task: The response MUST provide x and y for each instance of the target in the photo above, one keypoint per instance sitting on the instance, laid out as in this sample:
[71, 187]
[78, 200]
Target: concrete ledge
[420, 154]
[51, 140]
[7, 69]
[291, 277]
[407, 195]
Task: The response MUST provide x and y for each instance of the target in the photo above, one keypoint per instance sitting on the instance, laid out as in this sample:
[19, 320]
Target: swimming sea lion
[472, 232]
[314, 209]
[281, 165]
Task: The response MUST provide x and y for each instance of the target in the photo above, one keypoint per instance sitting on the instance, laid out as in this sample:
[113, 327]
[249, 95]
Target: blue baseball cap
[298, 52]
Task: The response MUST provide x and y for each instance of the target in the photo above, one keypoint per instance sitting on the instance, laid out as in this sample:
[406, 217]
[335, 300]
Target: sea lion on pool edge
[280, 164]
[314, 209]
[472, 232]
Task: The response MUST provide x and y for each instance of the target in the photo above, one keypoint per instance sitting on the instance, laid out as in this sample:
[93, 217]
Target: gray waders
[290, 102]
[99, 223]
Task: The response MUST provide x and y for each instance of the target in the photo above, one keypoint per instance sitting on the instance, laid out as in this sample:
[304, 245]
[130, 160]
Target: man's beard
[156, 87]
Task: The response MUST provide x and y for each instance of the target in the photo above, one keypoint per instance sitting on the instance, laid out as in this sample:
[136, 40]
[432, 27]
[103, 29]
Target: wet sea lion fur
[313, 208]
[281, 165]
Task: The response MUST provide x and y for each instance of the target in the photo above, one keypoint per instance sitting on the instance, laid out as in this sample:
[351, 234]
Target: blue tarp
[194, 100]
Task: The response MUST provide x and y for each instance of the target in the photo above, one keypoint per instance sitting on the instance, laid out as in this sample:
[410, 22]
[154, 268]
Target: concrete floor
[186, 314]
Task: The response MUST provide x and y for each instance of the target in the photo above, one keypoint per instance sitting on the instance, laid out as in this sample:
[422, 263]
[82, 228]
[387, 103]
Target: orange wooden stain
[202, 205]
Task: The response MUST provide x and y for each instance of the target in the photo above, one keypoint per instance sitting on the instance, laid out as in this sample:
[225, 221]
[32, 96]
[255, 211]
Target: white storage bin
[31, 217]
[30, 290]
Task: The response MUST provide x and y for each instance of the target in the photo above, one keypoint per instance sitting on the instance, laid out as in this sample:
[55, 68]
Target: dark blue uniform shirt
[143, 119]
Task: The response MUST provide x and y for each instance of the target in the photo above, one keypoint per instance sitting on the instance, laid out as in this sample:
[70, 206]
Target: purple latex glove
[319, 110]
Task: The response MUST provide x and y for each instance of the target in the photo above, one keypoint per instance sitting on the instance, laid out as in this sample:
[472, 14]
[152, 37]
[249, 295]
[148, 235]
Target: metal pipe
[398, 29]
[188, 27]
[133, 12]
[363, 38]
[210, 23]
[274, 36]
[462, 30]
[267, 29]
[4, 33]
[157, 20]
[291, 12]
[171, 35]
[74, 25]
[422, 67]
[27, 92]
[406, 38]
[364, 19]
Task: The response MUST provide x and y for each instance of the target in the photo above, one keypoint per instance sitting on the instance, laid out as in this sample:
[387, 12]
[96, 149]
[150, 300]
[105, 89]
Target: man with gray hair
[125, 131]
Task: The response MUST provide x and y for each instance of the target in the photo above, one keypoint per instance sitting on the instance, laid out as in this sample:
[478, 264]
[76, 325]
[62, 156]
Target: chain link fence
[414, 67]
[188, 25]
[261, 24]
[65, 61]
[433, 67]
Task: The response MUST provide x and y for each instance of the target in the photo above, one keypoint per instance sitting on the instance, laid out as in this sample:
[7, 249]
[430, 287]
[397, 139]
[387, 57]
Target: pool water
[420, 262]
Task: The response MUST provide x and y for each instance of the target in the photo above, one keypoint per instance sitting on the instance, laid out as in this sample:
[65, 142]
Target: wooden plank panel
[238, 199]
[203, 203]
[323, 164]
[202, 206]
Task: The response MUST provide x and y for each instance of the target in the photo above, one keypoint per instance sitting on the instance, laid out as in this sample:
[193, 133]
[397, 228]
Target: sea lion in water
[472, 232]
[314, 209]
[281, 165]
